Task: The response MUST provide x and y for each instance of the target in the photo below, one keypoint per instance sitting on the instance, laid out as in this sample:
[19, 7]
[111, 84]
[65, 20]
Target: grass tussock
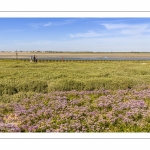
[24, 77]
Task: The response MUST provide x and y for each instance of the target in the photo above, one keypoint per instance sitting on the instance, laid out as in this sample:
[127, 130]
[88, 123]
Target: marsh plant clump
[17, 77]
[74, 111]
[91, 96]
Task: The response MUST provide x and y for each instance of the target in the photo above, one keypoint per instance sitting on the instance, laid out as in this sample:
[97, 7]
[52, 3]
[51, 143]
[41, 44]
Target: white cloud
[113, 21]
[128, 29]
[115, 26]
[47, 24]
[35, 25]
[60, 23]
[115, 29]
[85, 35]
[65, 22]
[125, 26]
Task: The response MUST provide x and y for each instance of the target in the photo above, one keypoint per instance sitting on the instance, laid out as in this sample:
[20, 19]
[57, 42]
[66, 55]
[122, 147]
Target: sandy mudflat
[73, 55]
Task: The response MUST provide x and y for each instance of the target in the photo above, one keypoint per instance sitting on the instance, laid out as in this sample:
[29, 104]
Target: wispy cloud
[47, 24]
[60, 23]
[35, 25]
[115, 26]
[128, 29]
[114, 21]
[65, 22]
[86, 35]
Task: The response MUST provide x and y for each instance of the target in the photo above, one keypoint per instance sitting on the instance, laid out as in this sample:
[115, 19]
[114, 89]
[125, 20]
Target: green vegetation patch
[46, 76]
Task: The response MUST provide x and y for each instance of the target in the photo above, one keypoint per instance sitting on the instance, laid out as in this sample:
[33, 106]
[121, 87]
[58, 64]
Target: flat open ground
[73, 55]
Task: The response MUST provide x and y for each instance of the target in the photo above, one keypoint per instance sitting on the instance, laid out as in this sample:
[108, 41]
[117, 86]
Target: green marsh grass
[18, 77]
[74, 96]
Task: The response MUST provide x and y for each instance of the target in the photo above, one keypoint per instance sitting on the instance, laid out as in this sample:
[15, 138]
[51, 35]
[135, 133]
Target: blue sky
[75, 34]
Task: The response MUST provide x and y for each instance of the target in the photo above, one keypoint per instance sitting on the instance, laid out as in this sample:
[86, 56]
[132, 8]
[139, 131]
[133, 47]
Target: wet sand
[27, 55]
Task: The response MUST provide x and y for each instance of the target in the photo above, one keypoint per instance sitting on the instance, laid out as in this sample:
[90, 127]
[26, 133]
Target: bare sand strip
[27, 55]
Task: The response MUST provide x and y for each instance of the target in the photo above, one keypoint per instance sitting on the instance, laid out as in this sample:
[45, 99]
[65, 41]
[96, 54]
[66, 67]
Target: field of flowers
[75, 96]
[84, 111]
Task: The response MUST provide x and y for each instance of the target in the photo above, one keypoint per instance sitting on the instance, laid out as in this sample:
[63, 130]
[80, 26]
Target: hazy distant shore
[75, 55]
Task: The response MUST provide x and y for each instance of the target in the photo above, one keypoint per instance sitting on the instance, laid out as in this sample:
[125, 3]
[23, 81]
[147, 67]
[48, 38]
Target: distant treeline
[71, 52]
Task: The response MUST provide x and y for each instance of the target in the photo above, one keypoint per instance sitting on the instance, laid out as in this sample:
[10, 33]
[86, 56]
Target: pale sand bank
[74, 55]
